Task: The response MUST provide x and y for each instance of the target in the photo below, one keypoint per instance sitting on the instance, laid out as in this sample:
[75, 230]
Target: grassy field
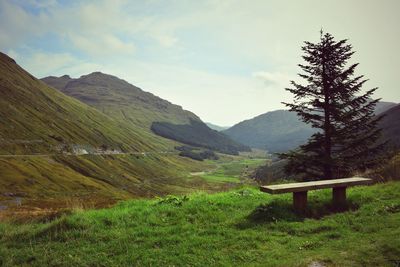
[38, 186]
[238, 227]
[233, 171]
[113, 175]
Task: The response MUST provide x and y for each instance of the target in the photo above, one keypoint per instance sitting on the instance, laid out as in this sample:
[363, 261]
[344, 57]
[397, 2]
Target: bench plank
[314, 185]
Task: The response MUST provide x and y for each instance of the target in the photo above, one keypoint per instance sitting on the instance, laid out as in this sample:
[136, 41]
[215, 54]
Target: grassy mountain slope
[391, 126]
[36, 118]
[274, 131]
[281, 130]
[197, 133]
[128, 103]
[119, 99]
[109, 177]
[238, 228]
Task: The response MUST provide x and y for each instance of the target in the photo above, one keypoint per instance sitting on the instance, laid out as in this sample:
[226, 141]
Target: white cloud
[17, 25]
[92, 28]
[13, 54]
[41, 3]
[272, 79]
[43, 64]
[47, 63]
[101, 45]
[165, 40]
[169, 47]
[223, 99]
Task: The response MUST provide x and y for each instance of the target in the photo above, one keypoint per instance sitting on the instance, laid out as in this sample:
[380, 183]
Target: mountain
[197, 133]
[36, 118]
[275, 131]
[383, 106]
[38, 124]
[281, 130]
[119, 99]
[391, 126]
[216, 127]
[130, 104]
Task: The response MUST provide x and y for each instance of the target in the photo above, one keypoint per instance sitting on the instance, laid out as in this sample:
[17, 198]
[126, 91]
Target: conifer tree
[332, 102]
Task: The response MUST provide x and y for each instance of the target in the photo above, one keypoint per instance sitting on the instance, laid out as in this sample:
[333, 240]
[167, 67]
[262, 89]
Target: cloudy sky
[224, 60]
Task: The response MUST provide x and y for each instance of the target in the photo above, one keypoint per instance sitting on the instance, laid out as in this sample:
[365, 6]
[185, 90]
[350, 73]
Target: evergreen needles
[331, 101]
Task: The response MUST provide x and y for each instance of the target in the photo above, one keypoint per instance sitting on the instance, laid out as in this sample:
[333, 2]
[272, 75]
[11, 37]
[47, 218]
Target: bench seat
[300, 190]
[314, 185]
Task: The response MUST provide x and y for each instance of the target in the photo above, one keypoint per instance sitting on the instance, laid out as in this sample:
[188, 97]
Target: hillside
[130, 104]
[216, 127]
[244, 227]
[281, 130]
[36, 118]
[119, 99]
[59, 179]
[391, 126]
[42, 131]
[383, 106]
[197, 133]
[275, 131]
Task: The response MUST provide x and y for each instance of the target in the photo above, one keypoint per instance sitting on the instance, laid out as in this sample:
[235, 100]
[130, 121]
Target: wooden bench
[300, 190]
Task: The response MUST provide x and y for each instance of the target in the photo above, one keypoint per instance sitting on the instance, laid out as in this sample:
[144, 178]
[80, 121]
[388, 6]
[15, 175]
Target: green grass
[56, 181]
[220, 178]
[239, 227]
[233, 171]
[109, 176]
[237, 167]
[114, 176]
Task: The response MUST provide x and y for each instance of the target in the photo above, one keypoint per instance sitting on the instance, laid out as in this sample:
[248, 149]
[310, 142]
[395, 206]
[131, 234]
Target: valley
[55, 148]
[199, 133]
[121, 142]
[47, 185]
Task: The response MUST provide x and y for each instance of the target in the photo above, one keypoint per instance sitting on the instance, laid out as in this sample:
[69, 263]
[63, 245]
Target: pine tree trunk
[327, 126]
[328, 147]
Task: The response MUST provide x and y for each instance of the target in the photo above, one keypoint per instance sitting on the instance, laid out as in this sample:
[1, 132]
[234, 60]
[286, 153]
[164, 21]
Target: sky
[224, 60]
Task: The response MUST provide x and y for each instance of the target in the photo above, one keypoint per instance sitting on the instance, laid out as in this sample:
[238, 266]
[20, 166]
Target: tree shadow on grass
[281, 210]
[319, 208]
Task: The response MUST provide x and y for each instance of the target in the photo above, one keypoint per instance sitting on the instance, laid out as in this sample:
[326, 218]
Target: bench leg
[339, 197]
[300, 201]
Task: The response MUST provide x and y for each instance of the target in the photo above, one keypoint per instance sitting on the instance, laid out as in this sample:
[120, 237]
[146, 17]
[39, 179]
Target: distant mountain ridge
[217, 127]
[130, 104]
[383, 106]
[197, 133]
[282, 130]
[391, 126]
[275, 131]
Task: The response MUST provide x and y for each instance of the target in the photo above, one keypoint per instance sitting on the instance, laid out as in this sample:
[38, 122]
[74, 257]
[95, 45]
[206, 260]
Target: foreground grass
[240, 227]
